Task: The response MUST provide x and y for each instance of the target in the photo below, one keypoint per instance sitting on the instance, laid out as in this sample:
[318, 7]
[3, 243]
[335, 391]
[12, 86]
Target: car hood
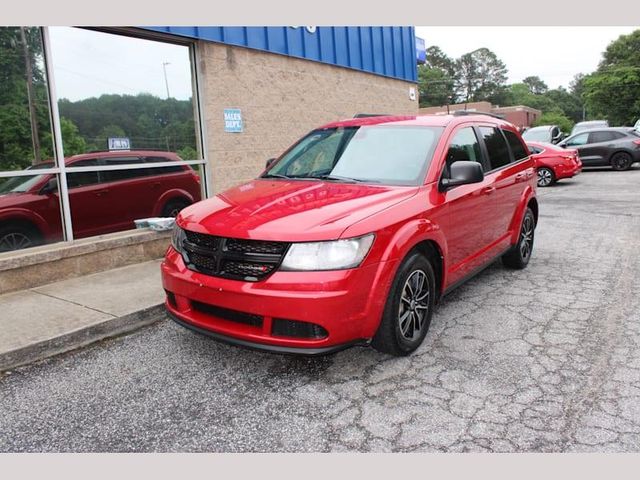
[290, 210]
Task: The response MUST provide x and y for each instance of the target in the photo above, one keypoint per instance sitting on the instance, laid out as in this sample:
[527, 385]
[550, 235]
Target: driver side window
[464, 146]
[578, 140]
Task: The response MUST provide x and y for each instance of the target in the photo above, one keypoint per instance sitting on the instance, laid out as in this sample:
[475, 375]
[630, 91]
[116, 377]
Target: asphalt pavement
[545, 359]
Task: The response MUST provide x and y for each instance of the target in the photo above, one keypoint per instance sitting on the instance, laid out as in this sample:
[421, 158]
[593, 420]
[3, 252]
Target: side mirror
[270, 162]
[50, 187]
[463, 173]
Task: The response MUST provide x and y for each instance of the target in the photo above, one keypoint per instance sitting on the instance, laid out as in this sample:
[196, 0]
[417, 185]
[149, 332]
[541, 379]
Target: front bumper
[347, 304]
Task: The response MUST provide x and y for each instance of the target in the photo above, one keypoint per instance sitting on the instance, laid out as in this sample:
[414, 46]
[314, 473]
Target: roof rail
[462, 113]
[364, 115]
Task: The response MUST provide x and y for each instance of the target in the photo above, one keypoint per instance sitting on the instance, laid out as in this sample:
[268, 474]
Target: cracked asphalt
[545, 359]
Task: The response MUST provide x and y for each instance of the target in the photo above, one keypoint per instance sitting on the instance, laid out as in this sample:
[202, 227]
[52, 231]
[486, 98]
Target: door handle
[100, 193]
[488, 190]
[521, 176]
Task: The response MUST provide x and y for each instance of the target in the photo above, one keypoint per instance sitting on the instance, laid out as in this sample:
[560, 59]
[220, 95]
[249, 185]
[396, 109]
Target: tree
[555, 118]
[436, 58]
[623, 52]
[481, 76]
[571, 105]
[614, 95]
[536, 85]
[435, 86]
[613, 90]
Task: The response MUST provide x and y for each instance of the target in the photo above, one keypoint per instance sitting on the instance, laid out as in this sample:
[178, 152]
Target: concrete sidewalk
[62, 316]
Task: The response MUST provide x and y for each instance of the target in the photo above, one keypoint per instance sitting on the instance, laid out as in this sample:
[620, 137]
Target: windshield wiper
[275, 175]
[339, 178]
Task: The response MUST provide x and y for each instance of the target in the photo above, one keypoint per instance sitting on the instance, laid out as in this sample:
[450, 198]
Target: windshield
[19, 184]
[395, 155]
[537, 135]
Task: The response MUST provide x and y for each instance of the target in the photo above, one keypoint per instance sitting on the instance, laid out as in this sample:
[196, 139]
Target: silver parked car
[589, 125]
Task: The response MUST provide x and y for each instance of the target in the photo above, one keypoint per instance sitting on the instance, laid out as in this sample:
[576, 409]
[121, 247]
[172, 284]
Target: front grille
[227, 314]
[292, 328]
[234, 258]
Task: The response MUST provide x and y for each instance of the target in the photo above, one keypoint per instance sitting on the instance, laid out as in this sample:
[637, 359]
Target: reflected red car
[101, 202]
[554, 163]
[353, 234]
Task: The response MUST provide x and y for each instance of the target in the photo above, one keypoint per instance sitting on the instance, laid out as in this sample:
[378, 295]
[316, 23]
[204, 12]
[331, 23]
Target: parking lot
[545, 359]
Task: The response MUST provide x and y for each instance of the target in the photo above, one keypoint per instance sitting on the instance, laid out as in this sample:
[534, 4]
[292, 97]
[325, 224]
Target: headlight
[335, 255]
[177, 238]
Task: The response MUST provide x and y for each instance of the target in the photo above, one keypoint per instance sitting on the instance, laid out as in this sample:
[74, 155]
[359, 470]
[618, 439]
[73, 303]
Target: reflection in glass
[111, 200]
[25, 123]
[117, 87]
[29, 211]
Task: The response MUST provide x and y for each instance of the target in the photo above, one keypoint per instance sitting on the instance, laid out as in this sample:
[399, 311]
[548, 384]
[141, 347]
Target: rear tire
[546, 177]
[18, 236]
[621, 161]
[518, 257]
[173, 207]
[409, 308]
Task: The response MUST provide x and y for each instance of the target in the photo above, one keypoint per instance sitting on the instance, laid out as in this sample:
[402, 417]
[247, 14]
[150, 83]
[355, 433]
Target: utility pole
[166, 82]
[35, 137]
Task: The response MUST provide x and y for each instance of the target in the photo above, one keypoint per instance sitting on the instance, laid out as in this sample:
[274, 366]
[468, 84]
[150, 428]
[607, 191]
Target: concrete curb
[81, 337]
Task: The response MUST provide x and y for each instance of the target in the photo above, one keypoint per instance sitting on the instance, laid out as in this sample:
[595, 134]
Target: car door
[88, 203]
[599, 146]
[128, 191]
[580, 143]
[509, 178]
[470, 208]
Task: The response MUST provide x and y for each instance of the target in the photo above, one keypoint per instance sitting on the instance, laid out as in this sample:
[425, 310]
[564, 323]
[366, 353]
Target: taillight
[637, 142]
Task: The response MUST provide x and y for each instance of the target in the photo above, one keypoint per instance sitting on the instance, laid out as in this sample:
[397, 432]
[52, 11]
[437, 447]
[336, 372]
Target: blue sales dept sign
[232, 120]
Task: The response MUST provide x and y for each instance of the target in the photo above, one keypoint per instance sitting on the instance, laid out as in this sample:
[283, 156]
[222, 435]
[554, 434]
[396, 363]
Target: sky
[555, 54]
[88, 64]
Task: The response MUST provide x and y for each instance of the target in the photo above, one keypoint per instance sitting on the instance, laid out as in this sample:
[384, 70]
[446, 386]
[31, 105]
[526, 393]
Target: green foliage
[614, 94]
[187, 153]
[555, 118]
[16, 141]
[613, 90]
[623, 52]
[435, 86]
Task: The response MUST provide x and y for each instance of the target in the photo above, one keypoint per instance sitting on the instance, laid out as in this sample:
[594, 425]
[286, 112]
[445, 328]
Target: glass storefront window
[127, 121]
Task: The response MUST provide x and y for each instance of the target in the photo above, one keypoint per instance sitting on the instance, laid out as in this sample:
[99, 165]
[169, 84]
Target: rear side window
[517, 148]
[496, 147]
[118, 175]
[464, 146]
[597, 137]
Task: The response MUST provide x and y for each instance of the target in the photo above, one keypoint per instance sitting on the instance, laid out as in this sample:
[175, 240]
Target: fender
[514, 227]
[399, 244]
[170, 195]
[24, 214]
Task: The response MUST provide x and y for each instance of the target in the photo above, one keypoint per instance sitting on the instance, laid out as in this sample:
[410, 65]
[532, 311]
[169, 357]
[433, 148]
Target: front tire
[546, 178]
[621, 161]
[18, 237]
[518, 257]
[409, 308]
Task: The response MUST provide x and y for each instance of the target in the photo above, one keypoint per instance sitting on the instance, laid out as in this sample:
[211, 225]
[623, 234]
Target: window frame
[486, 150]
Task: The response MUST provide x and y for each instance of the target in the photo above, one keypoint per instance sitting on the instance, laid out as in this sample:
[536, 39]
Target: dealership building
[225, 99]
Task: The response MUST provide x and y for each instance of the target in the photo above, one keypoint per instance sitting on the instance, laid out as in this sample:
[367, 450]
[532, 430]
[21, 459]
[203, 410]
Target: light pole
[166, 82]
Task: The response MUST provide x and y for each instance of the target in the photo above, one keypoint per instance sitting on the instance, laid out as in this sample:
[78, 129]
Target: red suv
[353, 234]
[101, 202]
